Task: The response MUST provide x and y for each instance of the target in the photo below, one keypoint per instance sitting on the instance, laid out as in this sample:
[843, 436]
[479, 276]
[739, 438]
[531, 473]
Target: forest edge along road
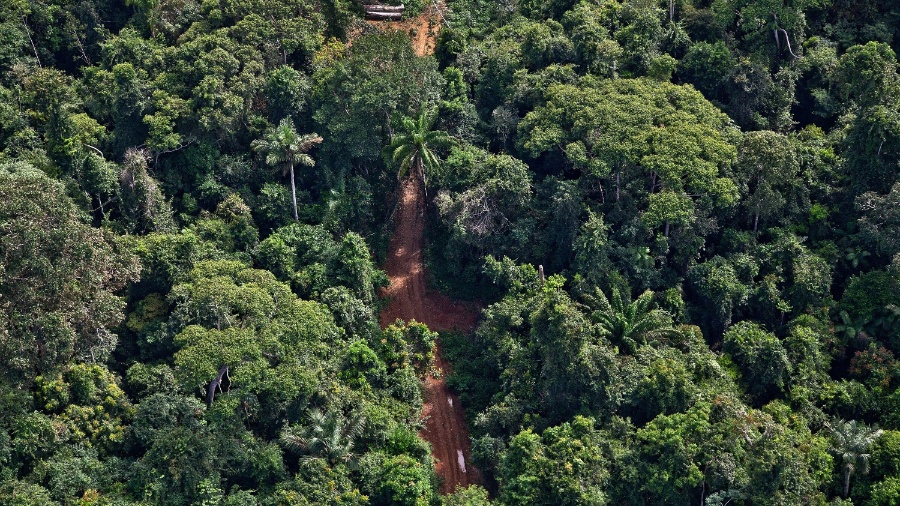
[422, 29]
[409, 299]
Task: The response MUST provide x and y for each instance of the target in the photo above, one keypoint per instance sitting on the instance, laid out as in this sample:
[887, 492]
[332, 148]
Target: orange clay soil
[409, 299]
[422, 30]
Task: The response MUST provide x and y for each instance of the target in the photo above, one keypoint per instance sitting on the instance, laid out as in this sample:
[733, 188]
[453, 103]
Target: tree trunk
[384, 16]
[294, 194]
[424, 181]
[756, 223]
[846, 482]
[618, 175]
[384, 8]
[666, 233]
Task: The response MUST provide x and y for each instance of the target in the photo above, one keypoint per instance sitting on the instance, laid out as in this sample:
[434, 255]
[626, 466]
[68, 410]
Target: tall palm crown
[630, 323]
[851, 441]
[283, 146]
[330, 436]
[412, 146]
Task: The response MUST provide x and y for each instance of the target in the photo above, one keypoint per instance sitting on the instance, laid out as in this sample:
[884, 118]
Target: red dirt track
[409, 299]
[422, 30]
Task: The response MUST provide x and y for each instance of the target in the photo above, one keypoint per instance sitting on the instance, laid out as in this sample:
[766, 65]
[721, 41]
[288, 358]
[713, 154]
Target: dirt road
[422, 29]
[409, 299]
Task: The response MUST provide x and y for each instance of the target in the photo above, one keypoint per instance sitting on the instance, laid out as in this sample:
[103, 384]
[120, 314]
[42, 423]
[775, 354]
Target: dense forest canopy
[679, 219]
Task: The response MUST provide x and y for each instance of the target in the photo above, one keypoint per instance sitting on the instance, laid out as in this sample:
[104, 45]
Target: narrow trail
[409, 299]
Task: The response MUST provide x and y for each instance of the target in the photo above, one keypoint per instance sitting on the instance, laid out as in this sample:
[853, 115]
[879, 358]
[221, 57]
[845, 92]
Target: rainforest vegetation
[679, 221]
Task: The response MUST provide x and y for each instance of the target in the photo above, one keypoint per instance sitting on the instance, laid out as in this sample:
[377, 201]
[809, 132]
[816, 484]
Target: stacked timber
[384, 12]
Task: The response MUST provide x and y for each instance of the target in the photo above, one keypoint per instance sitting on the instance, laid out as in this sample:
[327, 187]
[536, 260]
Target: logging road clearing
[409, 299]
[422, 30]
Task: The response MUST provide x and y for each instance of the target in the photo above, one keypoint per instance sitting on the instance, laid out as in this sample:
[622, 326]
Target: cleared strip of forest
[409, 299]
[423, 29]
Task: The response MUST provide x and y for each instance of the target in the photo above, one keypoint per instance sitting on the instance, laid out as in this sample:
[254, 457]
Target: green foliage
[869, 305]
[144, 206]
[599, 159]
[473, 495]
[851, 442]
[313, 261]
[645, 115]
[564, 465]
[87, 401]
[357, 91]
[887, 492]
[707, 66]
[669, 449]
[412, 147]
[287, 91]
[395, 480]
[244, 319]
[484, 205]
[20, 493]
[766, 169]
[763, 361]
[407, 344]
[656, 150]
[885, 460]
[318, 483]
[872, 131]
[329, 436]
[59, 278]
[720, 292]
[630, 324]
[879, 221]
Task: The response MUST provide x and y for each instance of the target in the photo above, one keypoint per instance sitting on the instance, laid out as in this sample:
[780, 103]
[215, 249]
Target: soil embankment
[409, 299]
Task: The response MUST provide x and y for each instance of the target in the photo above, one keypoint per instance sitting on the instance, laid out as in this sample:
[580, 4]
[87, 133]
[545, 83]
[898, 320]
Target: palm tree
[283, 145]
[412, 146]
[330, 436]
[629, 323]
[851, 441]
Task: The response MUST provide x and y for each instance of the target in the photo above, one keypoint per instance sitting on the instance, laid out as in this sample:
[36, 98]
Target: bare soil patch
[423, 29]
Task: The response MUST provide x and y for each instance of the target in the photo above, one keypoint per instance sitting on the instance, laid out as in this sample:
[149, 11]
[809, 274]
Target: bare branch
[787, 41]
[216, 383]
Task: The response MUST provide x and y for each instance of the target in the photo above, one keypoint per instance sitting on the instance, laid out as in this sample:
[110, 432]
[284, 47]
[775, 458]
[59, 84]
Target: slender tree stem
[846, 482]
[618, 175]
[294, 194]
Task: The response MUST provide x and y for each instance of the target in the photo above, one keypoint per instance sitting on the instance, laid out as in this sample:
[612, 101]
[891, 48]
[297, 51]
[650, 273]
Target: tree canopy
[675, 223]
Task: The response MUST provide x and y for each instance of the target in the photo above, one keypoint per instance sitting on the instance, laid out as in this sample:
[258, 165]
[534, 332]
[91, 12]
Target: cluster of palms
[410, 148]
[331, 435]
[628, 323]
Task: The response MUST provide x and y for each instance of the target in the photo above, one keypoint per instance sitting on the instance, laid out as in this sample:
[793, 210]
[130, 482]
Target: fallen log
[384, 8]
[378, 16]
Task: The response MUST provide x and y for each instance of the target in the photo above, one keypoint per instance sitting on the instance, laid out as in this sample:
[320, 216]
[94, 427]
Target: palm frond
[403, 152]
[413, 144]
[305, 160]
